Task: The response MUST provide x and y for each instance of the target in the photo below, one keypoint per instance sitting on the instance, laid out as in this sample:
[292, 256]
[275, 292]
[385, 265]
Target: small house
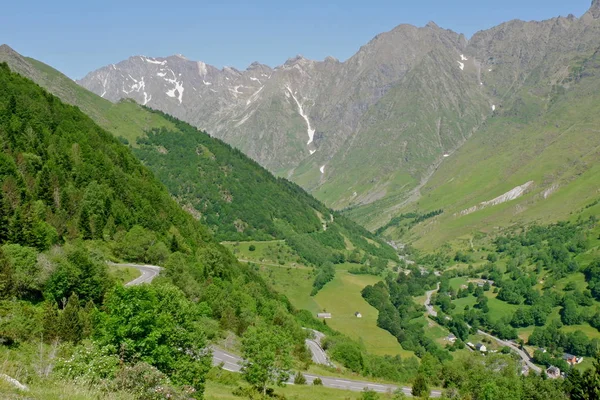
[553, 372]
[480, 347]
[471, 345]
[324, 315]
[358, 315]
[570, 358]
[451, 338]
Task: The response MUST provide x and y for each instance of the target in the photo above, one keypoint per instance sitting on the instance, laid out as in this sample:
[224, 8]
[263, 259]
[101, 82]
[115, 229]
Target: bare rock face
[368, 128]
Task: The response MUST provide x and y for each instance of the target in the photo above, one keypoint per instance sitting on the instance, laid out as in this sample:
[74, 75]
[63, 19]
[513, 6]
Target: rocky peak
[595, 9]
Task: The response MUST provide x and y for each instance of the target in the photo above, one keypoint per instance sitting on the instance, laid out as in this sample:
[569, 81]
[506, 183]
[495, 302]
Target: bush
[420, 387]
[252, 247]
[369, 394]
[146, 382]
[318, 382]
[299, 379]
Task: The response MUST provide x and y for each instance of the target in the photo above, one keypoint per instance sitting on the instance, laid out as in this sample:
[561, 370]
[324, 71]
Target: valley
[419, 220]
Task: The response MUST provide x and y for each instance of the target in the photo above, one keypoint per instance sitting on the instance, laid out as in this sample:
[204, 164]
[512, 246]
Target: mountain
[365, 134]
[314, 122]
[535, 160]
[234, 196]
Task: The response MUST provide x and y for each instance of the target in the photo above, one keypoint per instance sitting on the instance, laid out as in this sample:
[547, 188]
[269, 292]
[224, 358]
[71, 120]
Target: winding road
[430, 310]
[233, 363]
[524, 356]
[149, 272]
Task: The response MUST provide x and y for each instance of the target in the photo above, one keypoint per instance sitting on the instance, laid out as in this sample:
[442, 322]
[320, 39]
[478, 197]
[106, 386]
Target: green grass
[219, 391]
[456, 283]
[558, 147]
[295, 283]
[123, 274]
[265, 252]
[342, 298]
[589, 331]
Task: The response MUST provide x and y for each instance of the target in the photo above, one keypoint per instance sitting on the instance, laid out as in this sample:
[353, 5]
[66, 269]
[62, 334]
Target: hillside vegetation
[240, 200]
[545, 137]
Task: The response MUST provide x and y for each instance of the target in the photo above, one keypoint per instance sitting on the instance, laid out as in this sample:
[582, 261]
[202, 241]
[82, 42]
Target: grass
[342, 298]
[123, 274]
[295, 283]
[265, 252]
[219, 391]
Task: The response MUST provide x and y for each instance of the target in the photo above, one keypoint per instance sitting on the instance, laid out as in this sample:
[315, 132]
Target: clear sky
[78, 36]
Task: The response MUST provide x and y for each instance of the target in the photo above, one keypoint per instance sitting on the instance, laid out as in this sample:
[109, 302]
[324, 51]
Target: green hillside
[545, 136]
[73, 196]
[231, 194]
[240, 200]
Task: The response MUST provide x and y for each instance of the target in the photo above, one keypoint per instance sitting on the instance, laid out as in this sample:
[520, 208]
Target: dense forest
[72, 197]
[240, 200]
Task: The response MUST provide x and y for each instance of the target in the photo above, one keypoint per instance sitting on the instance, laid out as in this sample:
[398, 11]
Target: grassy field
[266, 252]
[295, 283]
[123, 274]
[342, 298]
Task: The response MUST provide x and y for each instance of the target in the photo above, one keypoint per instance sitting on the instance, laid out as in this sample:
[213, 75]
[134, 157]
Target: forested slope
[231, 194]
[240, 200]
[72, 196]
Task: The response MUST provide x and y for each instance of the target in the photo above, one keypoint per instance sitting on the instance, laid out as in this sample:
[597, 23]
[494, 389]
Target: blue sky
[78, 36]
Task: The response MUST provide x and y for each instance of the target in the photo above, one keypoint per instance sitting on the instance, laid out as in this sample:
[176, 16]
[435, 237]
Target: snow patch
[312, 152]
[512, 194]
[254, 96]
[490, 70]
[493, 107]
[147, 98]
[213, 90]
[202, 70]
[235, 90]
[244, 119]
[463, 58]
[178, 88]
[206, 83]
[104, 82]
[256, 80]
[153, 61]
[461, 66]
[446, 155]
[322, 169]
[309, 130]
[161, 74]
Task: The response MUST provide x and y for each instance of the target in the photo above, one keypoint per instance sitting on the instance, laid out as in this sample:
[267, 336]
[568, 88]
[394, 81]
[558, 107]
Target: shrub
[252, 247]
[299, 379]
[318, 382]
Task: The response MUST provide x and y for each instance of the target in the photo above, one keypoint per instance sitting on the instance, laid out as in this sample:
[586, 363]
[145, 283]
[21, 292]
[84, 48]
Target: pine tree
[6, 277]
[51, 321]
[70, 324]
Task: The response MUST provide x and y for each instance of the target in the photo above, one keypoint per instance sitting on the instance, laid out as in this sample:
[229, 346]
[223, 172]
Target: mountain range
[369, 133]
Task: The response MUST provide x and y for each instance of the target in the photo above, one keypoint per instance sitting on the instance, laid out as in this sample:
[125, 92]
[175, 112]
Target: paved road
[524, 356]
[149, 272]
[314, 345]
[427, 302]
[233, 363]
